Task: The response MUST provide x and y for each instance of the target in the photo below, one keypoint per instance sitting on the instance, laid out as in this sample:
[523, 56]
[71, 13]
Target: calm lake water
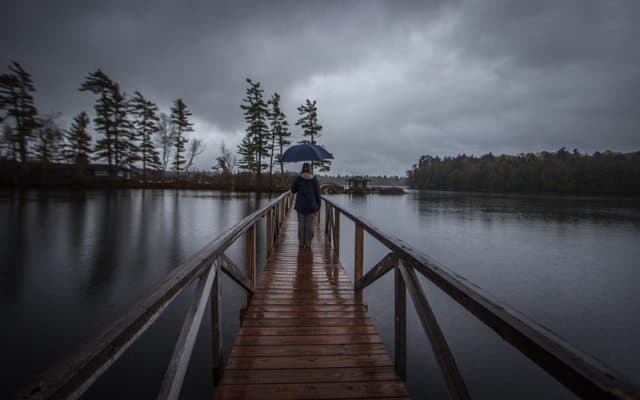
[71, 261]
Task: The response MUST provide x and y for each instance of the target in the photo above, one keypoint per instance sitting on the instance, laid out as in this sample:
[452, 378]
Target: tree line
[267, 134]
[131, 131]
[562, 172]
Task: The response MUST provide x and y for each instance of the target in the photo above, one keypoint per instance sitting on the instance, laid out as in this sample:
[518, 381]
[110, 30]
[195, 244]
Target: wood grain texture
[306, 333]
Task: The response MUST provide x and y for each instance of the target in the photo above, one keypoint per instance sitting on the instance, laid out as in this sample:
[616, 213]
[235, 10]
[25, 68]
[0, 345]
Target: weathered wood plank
[337, 390]
[306, 322]
[339, 361]
[400, 325]
[174, 376]
[217, 350]
[380, 269]
[232, 270]
[448, 366]
[308, 308]
[317, 375]
[358, 253]
[248, 340]
[309, 331]
[308, 350]
[303, 312]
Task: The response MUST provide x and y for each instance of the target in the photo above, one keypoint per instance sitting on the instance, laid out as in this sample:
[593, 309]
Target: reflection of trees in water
[107, 245]
[147, 214]
[77, 222]
[561, 209]
[175, 242]
[14, 248]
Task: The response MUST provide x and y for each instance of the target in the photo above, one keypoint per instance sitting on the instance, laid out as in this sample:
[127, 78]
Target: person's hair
[306, 167]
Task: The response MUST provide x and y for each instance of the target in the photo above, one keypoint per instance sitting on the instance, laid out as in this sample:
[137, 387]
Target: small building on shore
[104, 171]
[358, 183]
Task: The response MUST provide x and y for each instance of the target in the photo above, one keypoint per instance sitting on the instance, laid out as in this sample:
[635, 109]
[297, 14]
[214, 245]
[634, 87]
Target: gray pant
[305, 228]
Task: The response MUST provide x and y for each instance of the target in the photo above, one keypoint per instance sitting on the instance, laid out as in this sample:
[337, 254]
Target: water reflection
[567, 263]
[70, 261]
[553, 208]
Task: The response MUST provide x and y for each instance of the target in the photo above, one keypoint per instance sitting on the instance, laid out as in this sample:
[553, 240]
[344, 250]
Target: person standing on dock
[307, 188]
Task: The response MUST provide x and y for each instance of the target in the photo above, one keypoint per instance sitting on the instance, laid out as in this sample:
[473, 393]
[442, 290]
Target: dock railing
[73, 376]
[579, 372]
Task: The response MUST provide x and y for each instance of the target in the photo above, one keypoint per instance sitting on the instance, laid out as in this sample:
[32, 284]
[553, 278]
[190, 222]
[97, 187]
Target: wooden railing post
[358, 254]
[448, 367]
[251, 258]
[336, 232]
[216, 326]
[327, 215]
[400, 325]
[269, 234]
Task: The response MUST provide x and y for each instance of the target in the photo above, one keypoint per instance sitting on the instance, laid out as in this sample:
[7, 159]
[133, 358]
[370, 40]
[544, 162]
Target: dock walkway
[306, 333]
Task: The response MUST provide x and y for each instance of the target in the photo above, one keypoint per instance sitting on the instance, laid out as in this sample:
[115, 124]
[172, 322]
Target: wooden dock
[306, 333]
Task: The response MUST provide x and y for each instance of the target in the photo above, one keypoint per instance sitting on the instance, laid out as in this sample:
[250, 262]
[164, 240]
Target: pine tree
[77, 139]
[126, 150]
[16, 100]
[180, 119]
[254, 147]
[146, 126]
[311, 128]
[279, 133]
[100, 84]
[9, 143]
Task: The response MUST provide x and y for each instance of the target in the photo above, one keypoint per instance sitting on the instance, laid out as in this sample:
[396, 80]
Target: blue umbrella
[305, 152]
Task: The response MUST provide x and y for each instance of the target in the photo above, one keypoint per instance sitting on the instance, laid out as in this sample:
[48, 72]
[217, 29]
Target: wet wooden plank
[306, 331]
[307, 350]
[246, 340]
[307, 334]
[270, 376]
[312, 312]
[333, 390]
[306, 322]
[308, 308]
[339, 361]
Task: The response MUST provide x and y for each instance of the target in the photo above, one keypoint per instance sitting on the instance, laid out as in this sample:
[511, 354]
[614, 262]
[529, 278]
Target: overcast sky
[393, 80]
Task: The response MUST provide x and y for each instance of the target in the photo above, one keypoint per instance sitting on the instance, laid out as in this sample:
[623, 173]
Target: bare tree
[195, 149]
[165, 140]
[226, 161]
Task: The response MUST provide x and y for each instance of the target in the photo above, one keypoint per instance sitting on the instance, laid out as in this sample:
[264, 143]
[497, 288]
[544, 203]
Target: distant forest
[562, 172]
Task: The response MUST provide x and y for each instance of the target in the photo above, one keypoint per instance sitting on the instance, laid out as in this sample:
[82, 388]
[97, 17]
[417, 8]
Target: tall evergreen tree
[16, 100]
[77, 139]
[9, 143]
[180, 119]
[279, 133]
[311, 128]
[101, 85]
[126, 150]
[146, 126]
[254, 147]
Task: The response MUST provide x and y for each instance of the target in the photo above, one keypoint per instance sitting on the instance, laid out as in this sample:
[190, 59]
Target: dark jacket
[307, 188]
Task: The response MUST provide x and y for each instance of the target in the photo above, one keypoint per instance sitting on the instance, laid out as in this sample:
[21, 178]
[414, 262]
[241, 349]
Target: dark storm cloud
[394, 80]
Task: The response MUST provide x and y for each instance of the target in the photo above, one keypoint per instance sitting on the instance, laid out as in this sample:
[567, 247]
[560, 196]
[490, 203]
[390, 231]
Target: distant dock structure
[358, 185]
